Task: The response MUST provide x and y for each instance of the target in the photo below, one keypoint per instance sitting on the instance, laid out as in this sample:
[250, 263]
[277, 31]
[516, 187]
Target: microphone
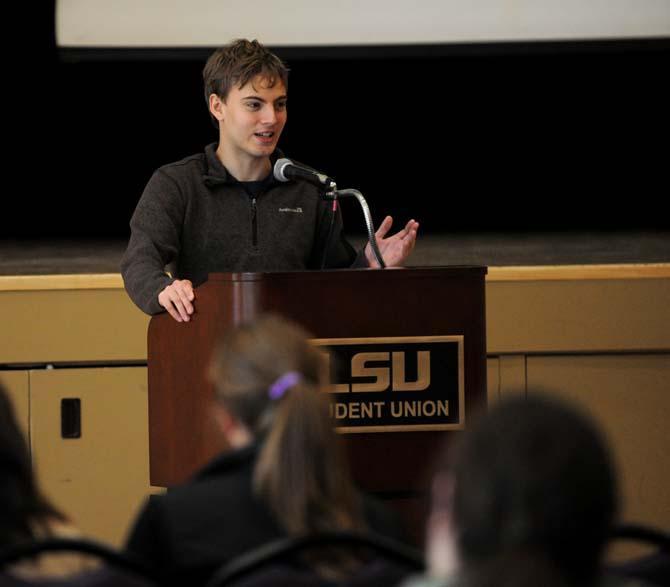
[286, 170]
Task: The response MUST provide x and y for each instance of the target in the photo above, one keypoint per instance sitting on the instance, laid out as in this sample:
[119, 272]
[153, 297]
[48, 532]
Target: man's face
[252, 118]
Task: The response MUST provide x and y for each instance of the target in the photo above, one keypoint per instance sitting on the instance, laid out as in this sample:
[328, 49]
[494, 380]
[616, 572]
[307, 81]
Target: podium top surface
[364, 272]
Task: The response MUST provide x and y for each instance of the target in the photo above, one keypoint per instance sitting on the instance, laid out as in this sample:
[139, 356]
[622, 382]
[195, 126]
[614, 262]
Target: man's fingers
[173, 312]
[178, 303]
[165, 301]
[384, 227]
[409, 236]
[413, 231]
[188, 288]
[410, 228]
[185, 294]
[176, 298]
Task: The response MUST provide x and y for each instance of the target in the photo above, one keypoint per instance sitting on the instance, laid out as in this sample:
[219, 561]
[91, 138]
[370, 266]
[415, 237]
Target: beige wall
[599, 336]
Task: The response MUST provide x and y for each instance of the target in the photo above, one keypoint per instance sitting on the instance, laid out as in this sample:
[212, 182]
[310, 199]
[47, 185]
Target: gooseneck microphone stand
[332, 193]
[285, 170]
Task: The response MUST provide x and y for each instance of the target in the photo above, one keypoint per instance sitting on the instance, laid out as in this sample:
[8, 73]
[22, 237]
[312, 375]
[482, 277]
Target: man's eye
[281, 105]
[253, 105]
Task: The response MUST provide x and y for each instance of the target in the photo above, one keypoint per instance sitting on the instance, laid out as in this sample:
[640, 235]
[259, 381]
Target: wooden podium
[335, 304]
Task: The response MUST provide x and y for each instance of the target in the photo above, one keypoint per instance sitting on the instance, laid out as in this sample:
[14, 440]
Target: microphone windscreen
[279, 168]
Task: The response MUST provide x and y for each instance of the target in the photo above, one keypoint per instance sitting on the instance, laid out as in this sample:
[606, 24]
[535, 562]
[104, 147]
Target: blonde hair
[301, 472]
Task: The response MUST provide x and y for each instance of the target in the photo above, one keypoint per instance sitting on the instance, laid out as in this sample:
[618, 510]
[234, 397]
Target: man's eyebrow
[254, 97]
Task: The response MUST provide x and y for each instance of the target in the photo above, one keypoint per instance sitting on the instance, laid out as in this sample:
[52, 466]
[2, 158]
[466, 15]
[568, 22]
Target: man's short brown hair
[237, 64]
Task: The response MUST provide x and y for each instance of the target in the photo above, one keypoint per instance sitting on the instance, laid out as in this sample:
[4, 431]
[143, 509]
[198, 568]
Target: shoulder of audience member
[381, 519]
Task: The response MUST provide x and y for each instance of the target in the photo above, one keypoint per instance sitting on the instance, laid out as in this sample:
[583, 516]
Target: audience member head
[531, 477]
[268, 383]
[25, 513]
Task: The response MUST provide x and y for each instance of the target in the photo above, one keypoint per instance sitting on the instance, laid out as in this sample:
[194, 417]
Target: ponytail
[301, 472]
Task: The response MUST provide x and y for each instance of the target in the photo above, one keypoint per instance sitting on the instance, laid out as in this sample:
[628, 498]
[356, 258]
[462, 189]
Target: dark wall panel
[495, 137]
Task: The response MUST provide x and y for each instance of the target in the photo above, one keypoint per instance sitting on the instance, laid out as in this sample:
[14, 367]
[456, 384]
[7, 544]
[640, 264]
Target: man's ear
[217, 107]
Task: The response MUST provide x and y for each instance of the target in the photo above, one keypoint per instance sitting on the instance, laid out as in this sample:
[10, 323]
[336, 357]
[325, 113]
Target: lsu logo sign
[395, 384]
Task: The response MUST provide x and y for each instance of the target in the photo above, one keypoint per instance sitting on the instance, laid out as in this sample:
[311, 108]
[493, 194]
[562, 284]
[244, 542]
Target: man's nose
[269, 114]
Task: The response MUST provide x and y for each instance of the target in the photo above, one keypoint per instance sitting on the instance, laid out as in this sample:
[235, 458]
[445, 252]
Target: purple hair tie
[281, 385]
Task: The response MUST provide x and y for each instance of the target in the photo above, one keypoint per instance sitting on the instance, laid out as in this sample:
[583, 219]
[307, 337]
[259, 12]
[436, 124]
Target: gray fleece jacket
[194, 218]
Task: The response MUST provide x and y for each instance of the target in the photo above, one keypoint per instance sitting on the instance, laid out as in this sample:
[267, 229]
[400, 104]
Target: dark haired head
[239, 63]
[534, 475]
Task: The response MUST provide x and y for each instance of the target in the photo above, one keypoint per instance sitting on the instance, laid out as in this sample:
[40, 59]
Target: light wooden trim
[579, 272]
[60, 282]
[519, 273]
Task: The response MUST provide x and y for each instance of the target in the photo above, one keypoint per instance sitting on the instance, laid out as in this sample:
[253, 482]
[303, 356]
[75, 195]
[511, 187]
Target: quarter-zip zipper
[254, 224]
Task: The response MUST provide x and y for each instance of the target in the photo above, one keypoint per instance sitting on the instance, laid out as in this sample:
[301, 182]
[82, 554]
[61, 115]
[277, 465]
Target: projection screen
[195, 23]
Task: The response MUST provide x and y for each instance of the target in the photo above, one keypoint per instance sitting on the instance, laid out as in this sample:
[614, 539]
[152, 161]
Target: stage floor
[62, 257]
